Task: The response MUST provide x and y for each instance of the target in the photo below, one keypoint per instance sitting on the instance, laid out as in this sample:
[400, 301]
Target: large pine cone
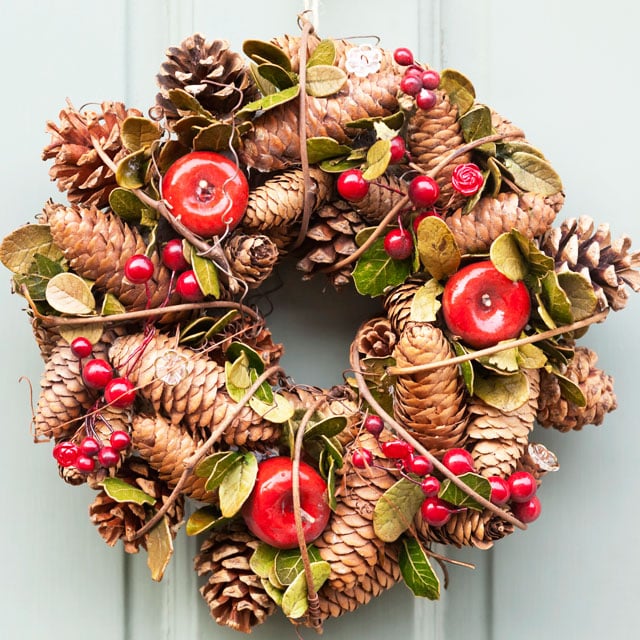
[77, 167]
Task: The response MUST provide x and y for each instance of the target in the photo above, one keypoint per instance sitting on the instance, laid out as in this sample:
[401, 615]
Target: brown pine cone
[597, 387]
[77, 167]
[398, 301]
[215, 76]
[120, 520]
[530, 214]
[251, 258]
[46, 337]
[506, 127]
[383, 195]
[376, 338]
[431, 404]
[234, 594]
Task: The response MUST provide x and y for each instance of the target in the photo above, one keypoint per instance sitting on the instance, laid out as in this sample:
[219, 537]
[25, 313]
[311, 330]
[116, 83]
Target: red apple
[483, 307]
[268, 512]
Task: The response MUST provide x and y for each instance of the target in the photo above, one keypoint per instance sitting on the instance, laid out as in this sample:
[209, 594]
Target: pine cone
[376, 338]
[498, 439]
[579, 246]
[251, 258]
[530, 214]
[383, 195]
[215, 76]
[120, 520]
[398, 301]
[77, 167]
[506, 127]
[234, 594]
[46, 337]
[432, 403]
[331, 238]
[597, 387]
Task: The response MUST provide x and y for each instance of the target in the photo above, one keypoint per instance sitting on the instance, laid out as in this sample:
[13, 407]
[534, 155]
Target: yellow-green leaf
[417, 571]
[121, 491]
[425, 303]
[324, 148]
[580, 293]
[270, 101]
[378, 158]
[459, 89]
[138, 133]
[185, 102]
[215, 137]
[272, 591]
[331, 426]
[206, 274]
[132, 170]
[69, 293]
[502, 361]
[276, 75]
[279, 411]
[532, 173]
[111, 306]
[325, 80]
[203, 519]
[260, 51]
[531, 357]
[91, 331]
[262, 560]
[507, 393]
[324, 53]
[159, 549]
[18, 249]
[396, 508]
[294, 600]
[288, 564]
[506, 257]
[237, 373]
[476, 124]
[237, 484]
[437, 248]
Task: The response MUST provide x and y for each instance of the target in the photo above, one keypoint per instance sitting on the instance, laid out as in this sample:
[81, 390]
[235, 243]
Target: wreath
[162, 389]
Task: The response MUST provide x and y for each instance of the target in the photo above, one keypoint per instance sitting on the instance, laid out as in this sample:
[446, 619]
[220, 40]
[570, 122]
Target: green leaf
[215, 466]
[294, 600]
[453, 494]
[264, 392]
[532, 173]
[254, 360]
[220, 323]
[506, 257]
[131, 171]
[272, 591]
[171, 151]
[502, 361]
[262, 560]
[126, 205]
[580, 293]
[333, 447]
[288, 563]
[437, 248]
[215, 137]
[459, 89]
[260, 51]
[92, 332]
[330, 477]
[323, 148]
[375, 271]
[476, 124]
[206, 274]
[188, 127]
[570, 391]
[506, 149]
[18, 249]
[325, 80]
[466, 368]
[69, 293]
[111, 306]
[556, 300]
[237, 484]
[425, 303]
[507, 393]
[186, 103]
[338, 165]
[269, 102]
[138, 133]
[121, 491]
[276, 75]
[278, 411]
[394, 121]
[328, 427]
[159, 549]
[378, 158]
[204, 519]
[538, 263]
[396, 508]
[324, 53]
[417, 571]
[531, 357]
[237, 374]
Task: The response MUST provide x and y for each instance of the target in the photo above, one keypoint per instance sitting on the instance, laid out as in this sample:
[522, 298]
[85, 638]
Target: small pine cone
[120, 520]
[432, 135]
[530, 214]
[77, 167]
[538, 460]
[498, 439]
[597, 387]
[432, 403]
[383, 195]
[376, 338]
[215, 76]
[577, 245]
[397, 303]
[233, 592]
[331, 238]
[275, 208]
[97, 245]
[274, 142]
[251, 258]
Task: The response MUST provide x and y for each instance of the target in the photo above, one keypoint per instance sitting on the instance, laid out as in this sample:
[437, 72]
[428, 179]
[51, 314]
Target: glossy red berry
[522, 485]
[430, 79]
[398, 149]
[173, 255]
[423, 191]
[430, 486]
[97, 373]
[120, 392]
[467, 179]
[421, 216]
[411, 85]
[81, 347]
[500, 492]
[108, 457]
[85, 463]
[396, 449]
[187, 286]
[138, 269]
[435, 512]
[426, 99]
[415, 70]
[420, 465]
[352, 186]
[403, 56]
[398, 244]
[361, 458]
[90, 446]
[120, 440]
[65, 453]
[458, 461]
[527, 511]
[374, 424]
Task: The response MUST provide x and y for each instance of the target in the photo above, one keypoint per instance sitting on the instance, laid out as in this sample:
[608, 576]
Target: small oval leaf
[324, 53]
[437, 248]
[507, 393]
[294, 600]
[396, 508]
[262, 560]
[159, 549]
[137, 133]
[91, 331]
[459, 89]
[425, 304]
[269, 102]
[204, 519]
[276, 75]
[288, 564]
[328, 427]
[206, 274]
[237, 484]
[457, 496]
[132, 170]
[378, 158]
[121, 491]
[278, 411]
[324, 148]
[376, 271]
[69, 293]
[325, 80]
[417, 571]
[506, 257]
[18, 249]
[532, 173]
[260, 51]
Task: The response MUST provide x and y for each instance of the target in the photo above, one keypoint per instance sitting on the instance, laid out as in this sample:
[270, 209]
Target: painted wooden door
[566, 72]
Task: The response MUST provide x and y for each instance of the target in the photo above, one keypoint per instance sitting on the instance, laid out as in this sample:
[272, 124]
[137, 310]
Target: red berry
[527, 511]
[173, 255]
[522, 485]
[411, 85]
[85, 463]
[90, 446]
[396, 449]
[398, 244]
[500, 492]
[482, 306]
[426, 99]
[120, 440]
[435, 512]
[138, 269]
[352, 186]
[458, 461]
[108, 457]
[430, 79]
[374, 425]
[81, 347]
[65, 453]
[207, 192]
[120, 392]
[97, 373]
[423, 191]
[421, 216]
[187, 286]
[361, 458]
[415, 71]
[403, 56]
[467, 179]
[420, 465]
[430, 486]
[398, 149]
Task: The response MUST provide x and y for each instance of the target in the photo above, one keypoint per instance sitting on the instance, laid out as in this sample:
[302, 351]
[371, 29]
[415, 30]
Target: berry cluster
[92, 450]
[417, 82]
